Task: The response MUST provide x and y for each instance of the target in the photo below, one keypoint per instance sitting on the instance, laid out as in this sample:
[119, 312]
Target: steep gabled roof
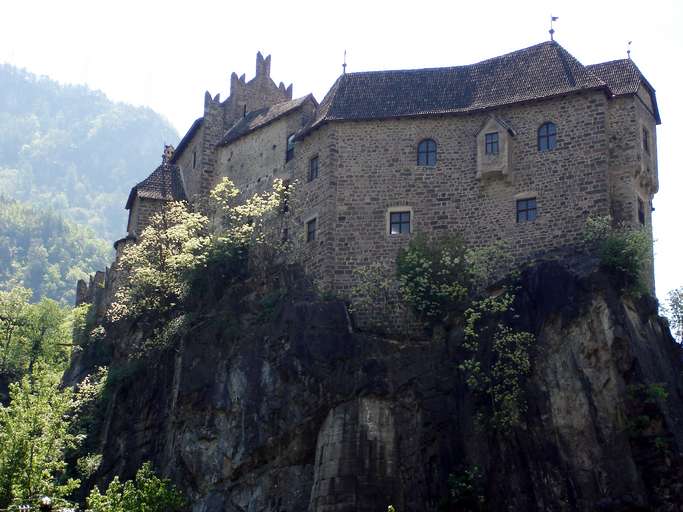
[262, 117]
[540, 71]
[164, 183]
[187, 138]
[623, 77]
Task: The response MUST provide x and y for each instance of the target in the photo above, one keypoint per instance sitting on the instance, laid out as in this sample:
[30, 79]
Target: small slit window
[646, 140]
[426, 153]
[641, 211]
[491, 140]
[194, 159]
[526, 210]
[547, 137]
[311, 228]
[289, 154]
[399, 223]
[313, 168]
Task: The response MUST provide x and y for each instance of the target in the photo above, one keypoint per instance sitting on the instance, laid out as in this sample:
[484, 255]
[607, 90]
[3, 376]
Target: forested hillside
[42, 251]
[73, 149]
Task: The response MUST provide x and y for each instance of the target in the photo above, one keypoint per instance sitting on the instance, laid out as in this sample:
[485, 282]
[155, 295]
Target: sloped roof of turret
[540, 71]
[164, 183]
[623, 77]
[262, 117]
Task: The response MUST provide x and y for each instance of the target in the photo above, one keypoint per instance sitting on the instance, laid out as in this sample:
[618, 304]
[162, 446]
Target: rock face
[296, 411]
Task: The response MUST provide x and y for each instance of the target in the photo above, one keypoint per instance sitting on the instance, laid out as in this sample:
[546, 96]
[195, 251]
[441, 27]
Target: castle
[522, 147]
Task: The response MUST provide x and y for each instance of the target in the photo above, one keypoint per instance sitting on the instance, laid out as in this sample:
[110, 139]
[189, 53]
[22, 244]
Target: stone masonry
[364, 138]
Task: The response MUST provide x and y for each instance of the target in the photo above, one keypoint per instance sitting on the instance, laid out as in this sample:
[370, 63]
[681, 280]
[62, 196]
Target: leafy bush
[465, 491]
[146, 493]
[499, 360]
[157, 266]
[623, 251]
[433, 277]
[674, 312]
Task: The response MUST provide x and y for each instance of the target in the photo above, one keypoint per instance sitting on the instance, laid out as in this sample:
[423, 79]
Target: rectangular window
[641, 212]
[313, 168]
[526, 209]
[491, 143]
[646, 141]
[399, 223]
[311, 226]
[194, 159]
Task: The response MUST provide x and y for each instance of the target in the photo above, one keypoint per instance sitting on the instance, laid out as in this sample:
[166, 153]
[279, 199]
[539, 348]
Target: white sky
[166, 54]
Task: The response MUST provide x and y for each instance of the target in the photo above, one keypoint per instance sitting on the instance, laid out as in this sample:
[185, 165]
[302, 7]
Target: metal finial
[552, 30]
[344, 65]
[628, 50]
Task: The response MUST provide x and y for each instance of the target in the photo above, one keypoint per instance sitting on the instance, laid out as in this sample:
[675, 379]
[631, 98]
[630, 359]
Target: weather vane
[552, 30]
[344, 65]
[628, 50]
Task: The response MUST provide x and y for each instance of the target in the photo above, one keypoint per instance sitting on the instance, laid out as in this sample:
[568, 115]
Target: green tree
[14, 308]
[42, 251]
[146, 493]
[159, 267]
[674, 311]
[33, 333]
[34, 435]
[156, 268]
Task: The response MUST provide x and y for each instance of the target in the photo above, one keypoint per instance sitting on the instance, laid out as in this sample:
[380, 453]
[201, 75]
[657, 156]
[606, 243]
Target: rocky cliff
[273, 401]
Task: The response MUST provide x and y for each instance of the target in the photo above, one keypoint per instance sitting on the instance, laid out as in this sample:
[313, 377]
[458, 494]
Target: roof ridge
[460, 66]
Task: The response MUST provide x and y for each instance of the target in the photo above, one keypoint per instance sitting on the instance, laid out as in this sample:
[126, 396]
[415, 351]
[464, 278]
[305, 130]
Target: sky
[166, 54]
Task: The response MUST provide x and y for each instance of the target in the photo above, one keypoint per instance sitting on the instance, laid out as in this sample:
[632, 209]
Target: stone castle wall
[371, 167]
[254, 160]
[141, 212]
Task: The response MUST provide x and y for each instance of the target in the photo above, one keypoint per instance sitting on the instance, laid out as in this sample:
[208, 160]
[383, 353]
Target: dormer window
[492, 146]
[646, 140]
[426, 153]
[547, 137]
[290, 148]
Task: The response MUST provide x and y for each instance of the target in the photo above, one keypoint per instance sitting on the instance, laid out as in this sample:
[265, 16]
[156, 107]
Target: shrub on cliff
[439, 277]
[178, 243]
[624, 251]
[147, 493]
[433, 276]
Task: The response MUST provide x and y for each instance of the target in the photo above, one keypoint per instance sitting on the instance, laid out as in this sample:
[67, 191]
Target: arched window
[547, 137]
[426, 152]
